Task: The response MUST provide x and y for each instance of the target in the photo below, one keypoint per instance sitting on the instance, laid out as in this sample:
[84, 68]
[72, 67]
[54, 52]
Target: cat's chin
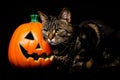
[52, 43]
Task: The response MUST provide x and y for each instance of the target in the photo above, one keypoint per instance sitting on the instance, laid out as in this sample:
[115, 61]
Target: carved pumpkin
[27, 47]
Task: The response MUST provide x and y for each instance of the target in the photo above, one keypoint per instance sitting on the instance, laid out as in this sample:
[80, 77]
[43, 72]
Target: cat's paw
[64, 60]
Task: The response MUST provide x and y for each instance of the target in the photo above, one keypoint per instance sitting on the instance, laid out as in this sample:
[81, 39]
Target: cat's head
[57, 29]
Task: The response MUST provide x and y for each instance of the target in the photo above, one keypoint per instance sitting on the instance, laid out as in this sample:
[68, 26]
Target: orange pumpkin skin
[34, 46]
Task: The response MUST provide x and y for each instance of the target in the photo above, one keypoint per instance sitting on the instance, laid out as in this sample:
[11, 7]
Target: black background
[15, 13]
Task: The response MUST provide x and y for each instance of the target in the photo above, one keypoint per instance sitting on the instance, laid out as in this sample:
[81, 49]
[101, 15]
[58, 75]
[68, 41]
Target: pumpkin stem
[34, 17]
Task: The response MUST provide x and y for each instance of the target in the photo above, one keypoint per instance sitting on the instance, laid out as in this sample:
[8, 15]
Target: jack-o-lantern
[27, 47]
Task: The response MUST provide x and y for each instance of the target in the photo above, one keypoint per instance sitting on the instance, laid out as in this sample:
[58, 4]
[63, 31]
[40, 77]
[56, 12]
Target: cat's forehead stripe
[52, 23]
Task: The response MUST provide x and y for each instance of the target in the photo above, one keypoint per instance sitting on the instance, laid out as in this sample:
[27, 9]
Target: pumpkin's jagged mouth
[35, 56]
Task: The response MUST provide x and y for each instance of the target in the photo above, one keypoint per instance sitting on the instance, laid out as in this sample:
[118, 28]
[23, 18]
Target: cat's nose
[50, 36]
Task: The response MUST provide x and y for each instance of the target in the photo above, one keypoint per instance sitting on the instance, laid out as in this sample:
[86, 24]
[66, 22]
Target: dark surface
[15, 13]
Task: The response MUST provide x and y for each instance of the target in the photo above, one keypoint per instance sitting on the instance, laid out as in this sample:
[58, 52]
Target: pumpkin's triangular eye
[30, 36]
[38, 46]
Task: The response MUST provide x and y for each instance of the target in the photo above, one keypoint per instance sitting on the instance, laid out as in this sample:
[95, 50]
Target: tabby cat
[76, 47]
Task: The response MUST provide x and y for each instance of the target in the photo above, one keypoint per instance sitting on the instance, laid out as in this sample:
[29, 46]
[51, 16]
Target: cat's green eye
[59, 29]
[44, 30]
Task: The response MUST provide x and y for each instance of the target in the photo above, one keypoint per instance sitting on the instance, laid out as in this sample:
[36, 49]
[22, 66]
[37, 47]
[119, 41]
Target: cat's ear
[43, 17]
[65, 14]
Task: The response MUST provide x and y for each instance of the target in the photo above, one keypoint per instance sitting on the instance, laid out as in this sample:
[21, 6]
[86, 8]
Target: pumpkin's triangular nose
[38, 46]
